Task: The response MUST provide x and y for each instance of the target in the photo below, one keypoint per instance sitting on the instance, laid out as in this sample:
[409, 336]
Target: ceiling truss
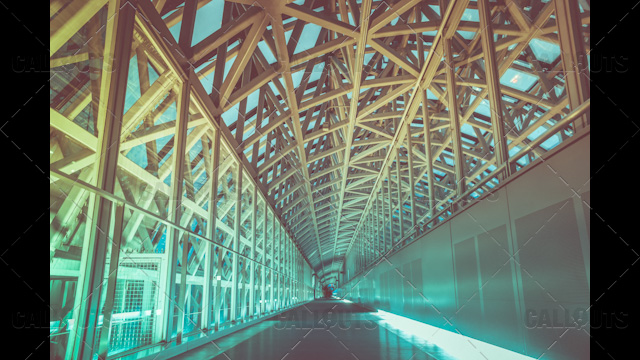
[351, 116]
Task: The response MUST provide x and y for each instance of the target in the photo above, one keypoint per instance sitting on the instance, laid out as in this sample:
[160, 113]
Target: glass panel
[148, 134]
[195, 285]
[226, 209]
[64, 268]
[136, 312]
[74, 97]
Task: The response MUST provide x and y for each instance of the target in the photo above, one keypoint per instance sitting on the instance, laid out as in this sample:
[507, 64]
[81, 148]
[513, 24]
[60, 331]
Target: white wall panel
[506, 269]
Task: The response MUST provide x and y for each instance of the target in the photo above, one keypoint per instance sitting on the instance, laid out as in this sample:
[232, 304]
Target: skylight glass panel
[297, 78]
[518, 80]
[287, 35]
[536, 133]
[483, 108]
[367, 58]
[252, 99]
[175, 30]
[544, 51]
[470, 15]
[230, 116]
[208, 20]
[514, 151]
[467, 35]
[467, 129]
[249, 132]
[551, 142]
[207, 82]
[308, 37]
[316, 72]
[266, 51]
[153, 75]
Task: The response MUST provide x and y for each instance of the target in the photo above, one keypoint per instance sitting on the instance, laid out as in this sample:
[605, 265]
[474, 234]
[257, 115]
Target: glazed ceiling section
[321, 95]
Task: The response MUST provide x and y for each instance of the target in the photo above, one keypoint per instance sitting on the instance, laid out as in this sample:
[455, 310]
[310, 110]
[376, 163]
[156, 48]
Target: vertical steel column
[210, 265]
[285, 277]
[236, 246]
[300, 278]
[286, 296]
[456, 142]
[380, 198]
[369, 237]
[289, 275]
[119, 34]
[426, 122]
[290, 246]
[273, 263]
[356, 248]
[373, 233]
[252, 254]
[186, 246]
[293, 272]
[361, 251]
[281, 259]
[411, 176]
[574, 58]
[493, 84]
[391, 232]
[365, 248]
[378, 224]
[278, 266]
[367, 234]
[380, 215]
[363, 233]
[374, 220]
[178, 175]
[288, 264]
[400, 201]
[219, 290]
[103, 348]
[263, 273]
[365, 238]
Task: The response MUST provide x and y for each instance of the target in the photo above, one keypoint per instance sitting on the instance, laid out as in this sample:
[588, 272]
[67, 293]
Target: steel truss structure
[214, 161]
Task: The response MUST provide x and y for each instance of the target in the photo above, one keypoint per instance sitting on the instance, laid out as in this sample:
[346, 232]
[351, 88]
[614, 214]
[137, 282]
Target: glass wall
[159, 234]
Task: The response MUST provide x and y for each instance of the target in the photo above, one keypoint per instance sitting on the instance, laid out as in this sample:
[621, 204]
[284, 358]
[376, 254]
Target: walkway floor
[321, 329]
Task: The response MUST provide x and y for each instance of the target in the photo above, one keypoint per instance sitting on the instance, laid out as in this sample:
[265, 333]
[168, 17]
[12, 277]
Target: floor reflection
[322, 329]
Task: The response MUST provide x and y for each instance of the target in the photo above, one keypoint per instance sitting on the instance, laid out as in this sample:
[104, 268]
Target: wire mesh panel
[135, 314]
[194, 286]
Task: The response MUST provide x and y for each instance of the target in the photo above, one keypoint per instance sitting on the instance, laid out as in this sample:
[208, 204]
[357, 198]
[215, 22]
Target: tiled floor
[322, 329]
